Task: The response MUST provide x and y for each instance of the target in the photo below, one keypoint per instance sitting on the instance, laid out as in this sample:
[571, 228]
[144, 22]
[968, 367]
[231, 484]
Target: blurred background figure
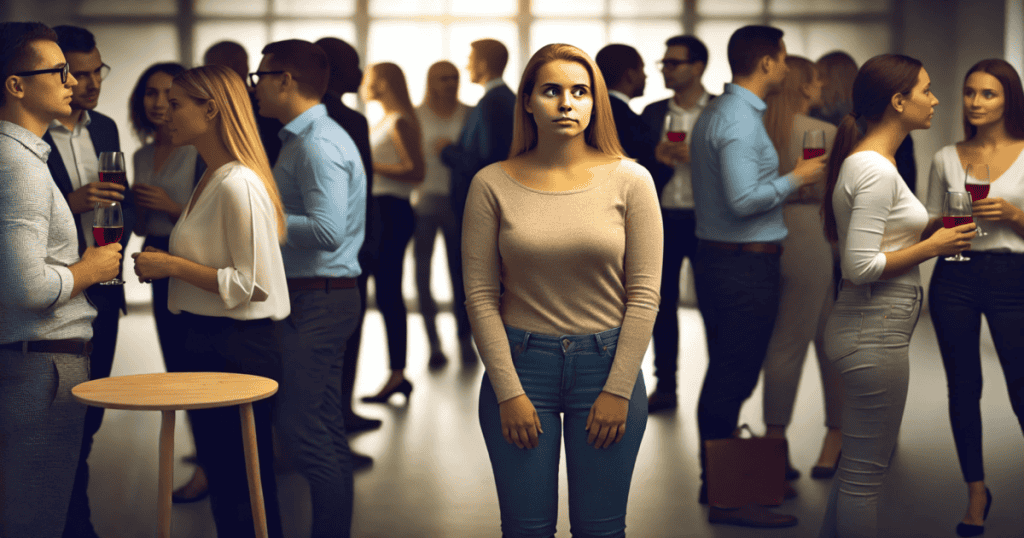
[838, 70]
[623, 71]
[232, 55]
[485, 139]
[807, 289]
[682, 68]
[346, 77]
[441, 117]
[397, 147]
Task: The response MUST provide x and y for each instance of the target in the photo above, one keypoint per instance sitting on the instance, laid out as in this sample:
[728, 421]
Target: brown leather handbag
[742, 471]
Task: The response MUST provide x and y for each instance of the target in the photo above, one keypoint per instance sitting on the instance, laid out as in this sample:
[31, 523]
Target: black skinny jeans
[990, 284]
[397, 224]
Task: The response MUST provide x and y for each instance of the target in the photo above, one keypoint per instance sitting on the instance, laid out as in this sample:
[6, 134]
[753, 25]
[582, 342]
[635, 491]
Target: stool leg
[166, 477]
[252, 467]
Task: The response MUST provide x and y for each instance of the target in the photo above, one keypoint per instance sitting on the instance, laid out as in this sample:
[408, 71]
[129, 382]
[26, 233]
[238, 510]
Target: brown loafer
[750, 516]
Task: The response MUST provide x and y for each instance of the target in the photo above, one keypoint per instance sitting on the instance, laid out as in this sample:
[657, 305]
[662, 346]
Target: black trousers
[680, 243]
[397, 224]
[738, 294]
[244, 347]
[960, 292]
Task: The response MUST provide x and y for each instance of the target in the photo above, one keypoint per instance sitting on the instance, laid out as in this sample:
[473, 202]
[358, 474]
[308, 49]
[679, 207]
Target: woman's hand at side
[607, 420]
[519, 422]
[951, 241]
[152, 264]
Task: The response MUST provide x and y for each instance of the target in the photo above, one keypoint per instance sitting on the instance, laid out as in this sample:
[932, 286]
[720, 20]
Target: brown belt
[71, 347]
[761, 248]
[312, 284]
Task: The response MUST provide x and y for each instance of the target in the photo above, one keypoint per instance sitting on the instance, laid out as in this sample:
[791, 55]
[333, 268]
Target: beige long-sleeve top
[572, 262]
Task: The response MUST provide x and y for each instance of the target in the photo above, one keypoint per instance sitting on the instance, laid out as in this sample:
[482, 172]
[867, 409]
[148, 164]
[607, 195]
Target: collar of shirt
[302, 122]
[748, 96]
[622, 97]
[701, 104]
[26, 138]
[493, 83]
[83, 123]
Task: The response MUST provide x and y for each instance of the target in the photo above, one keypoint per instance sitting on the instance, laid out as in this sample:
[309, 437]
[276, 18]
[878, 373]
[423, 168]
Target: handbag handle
[738, 434]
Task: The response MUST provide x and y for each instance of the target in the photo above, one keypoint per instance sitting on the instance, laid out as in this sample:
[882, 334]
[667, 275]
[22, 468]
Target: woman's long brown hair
[786, 103]
[600, 134]
[878, 80]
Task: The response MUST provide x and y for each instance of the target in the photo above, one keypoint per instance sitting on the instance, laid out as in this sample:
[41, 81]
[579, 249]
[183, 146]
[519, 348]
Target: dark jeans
[397, 224]
[309, 420]
[434, 212]
[244, 347]
[679, 243]
[738, 295]
[990, 284]
[101, 361]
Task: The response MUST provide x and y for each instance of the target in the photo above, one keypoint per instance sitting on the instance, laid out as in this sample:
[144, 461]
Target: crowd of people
[266, 203]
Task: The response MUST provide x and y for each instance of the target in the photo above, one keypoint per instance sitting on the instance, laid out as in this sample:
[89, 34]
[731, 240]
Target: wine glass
[956, 211]
[978, 183]
[814, 144]
[111, 168]
[675, 131]
[107, 228]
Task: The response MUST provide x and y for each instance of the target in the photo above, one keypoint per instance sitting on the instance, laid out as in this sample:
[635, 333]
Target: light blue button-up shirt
[38, 241]
[737, 191]
[323, 188]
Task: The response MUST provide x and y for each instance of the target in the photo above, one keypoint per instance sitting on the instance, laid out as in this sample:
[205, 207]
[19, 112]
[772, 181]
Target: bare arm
[410, 166]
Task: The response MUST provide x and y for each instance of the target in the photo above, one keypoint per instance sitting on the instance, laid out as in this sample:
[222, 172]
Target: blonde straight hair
[786, 103]
[237, 125]
[601, 132]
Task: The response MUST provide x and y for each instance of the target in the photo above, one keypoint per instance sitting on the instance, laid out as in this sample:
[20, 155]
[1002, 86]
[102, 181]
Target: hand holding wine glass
[978, 182]
[108, 228]
[957, 219]
[674, 129]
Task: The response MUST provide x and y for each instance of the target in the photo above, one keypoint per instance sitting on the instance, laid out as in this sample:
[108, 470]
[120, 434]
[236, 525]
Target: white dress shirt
[232, 227]
[80, 160]
[678, 193]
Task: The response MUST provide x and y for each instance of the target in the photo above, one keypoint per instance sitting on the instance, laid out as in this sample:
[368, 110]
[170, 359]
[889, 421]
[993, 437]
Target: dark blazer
[654, 116]
[485, 139]
[103, 133]
[637, 137]
[356, 126]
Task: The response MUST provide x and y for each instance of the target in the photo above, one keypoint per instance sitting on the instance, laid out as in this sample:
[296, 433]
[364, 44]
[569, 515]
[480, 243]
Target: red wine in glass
[953, 222]
[676, 136]
[121, 178]
[105, 235]
[978, 182]
[810, 153]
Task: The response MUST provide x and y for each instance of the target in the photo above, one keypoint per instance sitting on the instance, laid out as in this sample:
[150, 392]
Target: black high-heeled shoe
[964, 529]
[405, 387]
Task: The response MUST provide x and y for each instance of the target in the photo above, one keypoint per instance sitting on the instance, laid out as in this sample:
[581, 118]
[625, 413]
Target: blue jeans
[990, 284]
[563, 375]
[867, 338]
[309, 420]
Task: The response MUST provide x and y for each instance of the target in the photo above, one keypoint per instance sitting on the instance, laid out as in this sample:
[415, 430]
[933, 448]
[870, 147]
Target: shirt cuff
[67, 284]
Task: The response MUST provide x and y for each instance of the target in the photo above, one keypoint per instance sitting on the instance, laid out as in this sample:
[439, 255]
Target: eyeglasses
[64, 71]
[254, 78]
[672, 64]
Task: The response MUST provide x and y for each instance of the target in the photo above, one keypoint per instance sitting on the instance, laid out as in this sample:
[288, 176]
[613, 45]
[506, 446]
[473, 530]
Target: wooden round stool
[169, 392]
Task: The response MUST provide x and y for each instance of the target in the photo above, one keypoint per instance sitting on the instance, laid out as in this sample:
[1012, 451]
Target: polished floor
[432, 478]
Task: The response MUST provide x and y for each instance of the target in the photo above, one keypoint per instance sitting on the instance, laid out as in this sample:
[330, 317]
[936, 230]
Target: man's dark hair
[695, 48]
[16, 54]
[749, 45]
[74, 39]
[229, 54]
[306, 62]
[493, 53]
[614, 60]
[346, 76]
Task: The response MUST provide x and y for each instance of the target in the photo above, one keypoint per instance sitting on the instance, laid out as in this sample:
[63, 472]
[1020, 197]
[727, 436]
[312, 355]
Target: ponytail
[846, 137]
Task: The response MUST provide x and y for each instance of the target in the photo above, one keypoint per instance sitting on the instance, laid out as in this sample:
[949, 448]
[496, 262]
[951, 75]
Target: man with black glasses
[76, 141]
[45, 319]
